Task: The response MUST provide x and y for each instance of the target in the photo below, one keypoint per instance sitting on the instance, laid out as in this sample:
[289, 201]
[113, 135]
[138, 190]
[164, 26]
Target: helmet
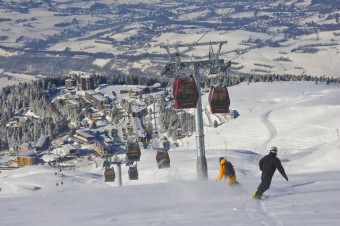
[221, 159]
[273, 150]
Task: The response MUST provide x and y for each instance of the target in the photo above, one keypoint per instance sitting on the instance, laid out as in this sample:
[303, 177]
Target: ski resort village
[162, 112]
[116, 119]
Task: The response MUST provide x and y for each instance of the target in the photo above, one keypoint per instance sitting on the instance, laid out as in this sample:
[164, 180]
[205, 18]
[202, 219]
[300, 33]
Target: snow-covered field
[301, 118]
[317, 55]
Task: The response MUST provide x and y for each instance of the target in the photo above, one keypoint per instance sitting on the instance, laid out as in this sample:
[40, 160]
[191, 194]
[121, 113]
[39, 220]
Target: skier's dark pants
[265, 184]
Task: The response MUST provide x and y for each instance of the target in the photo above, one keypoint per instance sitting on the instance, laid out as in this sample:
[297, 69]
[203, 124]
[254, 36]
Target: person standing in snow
[268, 165]
[227, 171]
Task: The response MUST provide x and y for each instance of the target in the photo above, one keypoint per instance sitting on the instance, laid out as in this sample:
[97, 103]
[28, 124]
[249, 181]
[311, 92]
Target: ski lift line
[210, 29]
[201, 37]
[196, 43]
[273, 36]
[168, 46]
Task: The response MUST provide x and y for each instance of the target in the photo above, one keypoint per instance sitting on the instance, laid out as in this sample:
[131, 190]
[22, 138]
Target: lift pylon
[214, 64]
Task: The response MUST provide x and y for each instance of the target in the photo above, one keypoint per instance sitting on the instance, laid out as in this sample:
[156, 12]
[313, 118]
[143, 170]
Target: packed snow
[301, 118]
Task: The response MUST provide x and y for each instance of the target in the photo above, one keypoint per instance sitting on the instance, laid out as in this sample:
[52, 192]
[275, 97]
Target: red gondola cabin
[133, 152]
[109, 174]
[163, 159]
[185, 92]
[133, 173]
[219, 100]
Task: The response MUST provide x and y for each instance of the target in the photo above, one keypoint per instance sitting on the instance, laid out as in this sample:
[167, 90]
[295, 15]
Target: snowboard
[258, 197]
[235, 184]
[262, 197]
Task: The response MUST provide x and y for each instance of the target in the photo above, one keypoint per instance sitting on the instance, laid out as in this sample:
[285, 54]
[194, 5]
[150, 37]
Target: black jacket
[269, 163]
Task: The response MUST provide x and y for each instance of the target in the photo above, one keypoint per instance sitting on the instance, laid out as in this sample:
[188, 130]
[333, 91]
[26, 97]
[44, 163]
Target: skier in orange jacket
[227, 171]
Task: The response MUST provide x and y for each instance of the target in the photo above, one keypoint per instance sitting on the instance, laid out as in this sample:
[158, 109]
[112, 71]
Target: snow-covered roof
[84, 133]
[26, 145]
[20, 118]
[30, 113]
[28, 153]
[64, 150]
[50, 157]
[40, 143]
[91, 92]
[98, 97]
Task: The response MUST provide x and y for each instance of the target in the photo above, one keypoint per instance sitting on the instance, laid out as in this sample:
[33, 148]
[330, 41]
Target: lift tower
[214, 64]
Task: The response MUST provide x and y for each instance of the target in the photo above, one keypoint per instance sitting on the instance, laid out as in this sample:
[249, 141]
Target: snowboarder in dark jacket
[268, 164]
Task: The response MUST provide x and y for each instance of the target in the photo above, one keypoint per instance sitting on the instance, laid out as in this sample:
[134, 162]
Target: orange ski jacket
[222, 172]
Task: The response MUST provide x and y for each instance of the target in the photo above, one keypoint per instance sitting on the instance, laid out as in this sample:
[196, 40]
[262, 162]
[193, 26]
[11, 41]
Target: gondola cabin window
[185, 92]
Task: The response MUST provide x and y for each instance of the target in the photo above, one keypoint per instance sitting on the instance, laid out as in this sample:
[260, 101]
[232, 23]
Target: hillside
[300, 118]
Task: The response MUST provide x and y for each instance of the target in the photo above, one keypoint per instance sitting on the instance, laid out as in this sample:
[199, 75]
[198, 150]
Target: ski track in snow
[262, 210]
[270, 126]
[254, 209]
[221, 118]
[265, 118]
[208, 116]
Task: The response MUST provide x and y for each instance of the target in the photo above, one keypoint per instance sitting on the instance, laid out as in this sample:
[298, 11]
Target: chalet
[133, 94]
[18, 121]
[42, 143]
[27, 158]
[108, 141]
[72, 103]
[89, 94]
[26, 146]
[70, 96]
[68, 91]
[50, 159]
[84, 136]
[96, 116]
[98, 100]
[102, 148]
